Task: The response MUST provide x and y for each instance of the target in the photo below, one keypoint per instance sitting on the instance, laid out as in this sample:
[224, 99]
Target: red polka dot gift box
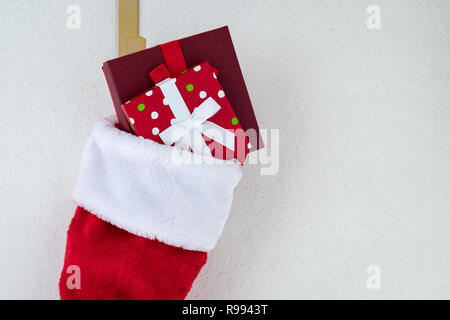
[189, 110]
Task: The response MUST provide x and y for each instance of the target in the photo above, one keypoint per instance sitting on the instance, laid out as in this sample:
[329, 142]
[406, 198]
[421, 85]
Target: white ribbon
[186, 129]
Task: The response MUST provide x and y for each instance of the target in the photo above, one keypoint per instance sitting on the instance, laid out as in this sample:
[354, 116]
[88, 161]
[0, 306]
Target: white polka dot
[249, 145]
[165, 102]
[173, 121]
[131, 120]
[149, 93]
[155, 131]
[214, 75]
[202, 94]
[197, 68]
[221, 94]
[154, 115]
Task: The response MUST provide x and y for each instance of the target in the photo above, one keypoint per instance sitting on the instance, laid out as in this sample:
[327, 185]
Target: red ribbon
[173, 56]
[174, 59]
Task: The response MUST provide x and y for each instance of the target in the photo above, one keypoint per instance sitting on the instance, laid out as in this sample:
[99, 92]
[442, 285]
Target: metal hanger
[129, 39]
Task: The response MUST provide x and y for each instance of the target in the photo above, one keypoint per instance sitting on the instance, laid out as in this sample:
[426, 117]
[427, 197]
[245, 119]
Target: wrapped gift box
[127, 76]
[193, 103]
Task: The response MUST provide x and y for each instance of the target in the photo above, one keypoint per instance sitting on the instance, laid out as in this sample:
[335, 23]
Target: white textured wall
[364, 119]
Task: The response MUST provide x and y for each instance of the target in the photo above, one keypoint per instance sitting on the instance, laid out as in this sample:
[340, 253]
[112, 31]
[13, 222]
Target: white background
[364, 120]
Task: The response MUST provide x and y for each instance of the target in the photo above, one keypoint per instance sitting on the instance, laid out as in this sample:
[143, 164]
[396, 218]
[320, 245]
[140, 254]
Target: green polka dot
[141, 107]
[235, 121]
[190, 87]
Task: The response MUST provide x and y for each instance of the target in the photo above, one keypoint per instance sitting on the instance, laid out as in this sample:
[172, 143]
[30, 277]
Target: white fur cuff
[134, 184]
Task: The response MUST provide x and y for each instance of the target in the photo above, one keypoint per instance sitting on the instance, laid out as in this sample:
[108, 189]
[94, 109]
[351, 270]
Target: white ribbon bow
[187, 129]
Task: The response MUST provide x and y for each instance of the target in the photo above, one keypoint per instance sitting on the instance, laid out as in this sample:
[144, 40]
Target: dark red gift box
[127, 76]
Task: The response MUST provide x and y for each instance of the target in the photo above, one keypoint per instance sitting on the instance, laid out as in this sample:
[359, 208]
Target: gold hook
[129, 39]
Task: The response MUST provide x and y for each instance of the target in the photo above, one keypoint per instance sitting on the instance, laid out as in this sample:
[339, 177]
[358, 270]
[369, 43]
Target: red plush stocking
[144, 222]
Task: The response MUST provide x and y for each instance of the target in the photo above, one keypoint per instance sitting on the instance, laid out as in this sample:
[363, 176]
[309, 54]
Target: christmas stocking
[144, 223]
